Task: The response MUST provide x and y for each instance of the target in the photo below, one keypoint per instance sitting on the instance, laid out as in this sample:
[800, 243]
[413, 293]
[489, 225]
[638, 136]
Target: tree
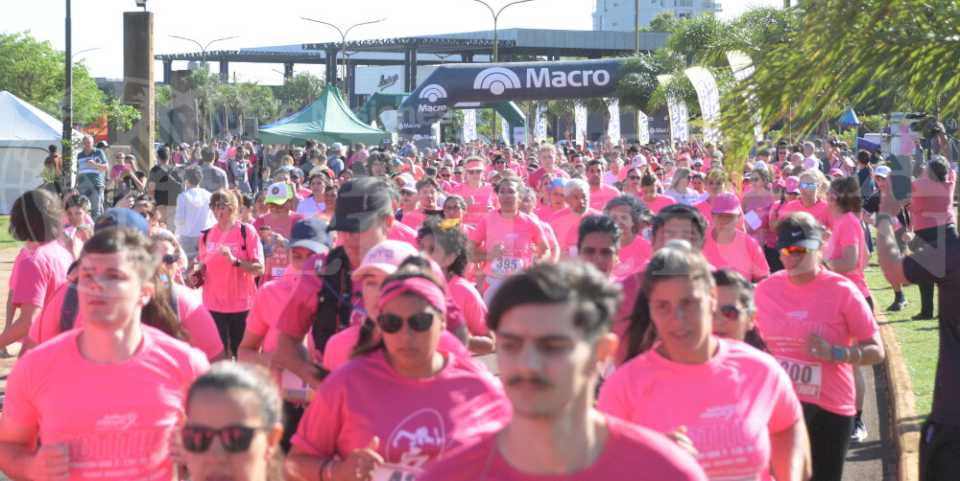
[33, 71]
[299, 91]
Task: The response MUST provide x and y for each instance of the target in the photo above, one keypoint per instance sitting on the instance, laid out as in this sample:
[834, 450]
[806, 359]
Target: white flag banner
[643, 128]
[679, 117]
[709, 96]
[504, 131]
[742, 66]
[540, 130]
[469, 125]
[613, 127]
[580, 121]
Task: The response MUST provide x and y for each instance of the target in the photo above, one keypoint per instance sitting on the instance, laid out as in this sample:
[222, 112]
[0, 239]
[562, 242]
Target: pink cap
[725, 203]
[792, 185]
[384, 257]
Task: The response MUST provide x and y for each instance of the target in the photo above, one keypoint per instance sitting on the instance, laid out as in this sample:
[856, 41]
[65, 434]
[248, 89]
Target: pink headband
[418, 286]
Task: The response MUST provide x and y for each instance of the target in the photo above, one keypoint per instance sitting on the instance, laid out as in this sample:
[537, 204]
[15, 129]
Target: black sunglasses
[730, 312]
[234, 439]
[392, 323]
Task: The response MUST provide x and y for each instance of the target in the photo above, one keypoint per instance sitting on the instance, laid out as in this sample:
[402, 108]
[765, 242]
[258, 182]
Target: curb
[905, 427]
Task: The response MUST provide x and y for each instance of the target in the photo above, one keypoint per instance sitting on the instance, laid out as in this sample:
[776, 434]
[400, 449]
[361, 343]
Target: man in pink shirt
[133, 378]
[631, 216]
[566, 221]
[547, 155]
[552, 325]
[600, 192]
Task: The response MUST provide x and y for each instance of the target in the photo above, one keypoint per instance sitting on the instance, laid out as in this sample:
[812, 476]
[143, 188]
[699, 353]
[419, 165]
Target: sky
[98, 24]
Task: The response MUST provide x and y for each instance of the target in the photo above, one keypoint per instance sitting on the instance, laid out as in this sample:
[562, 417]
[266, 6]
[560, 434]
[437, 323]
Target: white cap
[882, 171]
[385, 257]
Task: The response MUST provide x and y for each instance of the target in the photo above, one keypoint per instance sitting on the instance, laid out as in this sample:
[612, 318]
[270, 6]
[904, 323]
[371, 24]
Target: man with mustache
[552, 323]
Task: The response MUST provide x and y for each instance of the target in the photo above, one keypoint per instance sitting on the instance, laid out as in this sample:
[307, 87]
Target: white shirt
[193, 212]
[309, 207]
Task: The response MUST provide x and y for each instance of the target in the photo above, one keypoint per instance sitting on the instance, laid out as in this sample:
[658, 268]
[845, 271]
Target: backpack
[71, 303]
[334, 300]
[169, 186]
[198, 275]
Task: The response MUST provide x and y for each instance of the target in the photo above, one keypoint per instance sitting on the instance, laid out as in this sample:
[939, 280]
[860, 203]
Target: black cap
[799, 235]
[122, 217]
[311, 234]
[358, 202]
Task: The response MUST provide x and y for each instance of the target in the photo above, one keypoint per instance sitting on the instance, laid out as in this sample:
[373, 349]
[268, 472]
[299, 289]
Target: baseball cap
[407, 182]
[310, 234]
[792, 185]
[725, 203]
[123, 218]
[384, 257]
[358, 202]
[799, 235]
[882, 171]
[279, 193]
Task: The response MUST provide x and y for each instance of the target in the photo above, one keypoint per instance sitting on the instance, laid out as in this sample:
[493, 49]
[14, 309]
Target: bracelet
[839, 354]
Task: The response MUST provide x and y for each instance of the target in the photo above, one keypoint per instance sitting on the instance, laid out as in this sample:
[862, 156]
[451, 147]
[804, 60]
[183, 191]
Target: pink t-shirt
[931, 202]
[658, 203]
[40, 270]
[471, 304]
[566, 223]
[194, 318]
[120, 427]
[263, 317]
[760, 205]
[600, 197]
[400, 232]
[480, 201]
[413, 219]
[423, 421]
[786, 317]
[534, 179]
[743, 255]
[517, 237]
[633, 257]
[750, 398]
[233, 288]
[819, 211]
[281, 224]
[630, 453]
[546, 213]
[847, 231]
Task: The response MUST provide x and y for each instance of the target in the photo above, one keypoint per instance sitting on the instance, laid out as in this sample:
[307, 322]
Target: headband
[418, 286]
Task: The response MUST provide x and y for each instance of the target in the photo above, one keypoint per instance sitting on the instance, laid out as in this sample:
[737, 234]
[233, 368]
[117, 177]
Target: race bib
[807, 377]
[505, 266]
[395, 472]
[278, 271]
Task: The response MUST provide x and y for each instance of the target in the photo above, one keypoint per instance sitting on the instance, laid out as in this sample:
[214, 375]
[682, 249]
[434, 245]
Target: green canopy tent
[326, 120]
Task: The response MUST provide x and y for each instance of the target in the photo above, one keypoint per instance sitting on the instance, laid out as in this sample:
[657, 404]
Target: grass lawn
[918, 339]
[6, 241]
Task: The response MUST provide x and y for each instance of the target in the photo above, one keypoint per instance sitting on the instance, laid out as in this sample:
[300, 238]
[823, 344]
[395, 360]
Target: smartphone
[901, 176]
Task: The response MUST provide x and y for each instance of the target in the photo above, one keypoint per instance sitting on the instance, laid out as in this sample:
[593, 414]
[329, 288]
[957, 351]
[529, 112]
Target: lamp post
[66, 174]
[203, 60]
[636, 28]
[496, 20]
[343, 44]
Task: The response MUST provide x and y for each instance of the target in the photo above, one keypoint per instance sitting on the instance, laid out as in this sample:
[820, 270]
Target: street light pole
[496, 20]
[67, 134]
[343, 46]
[203, 60]
[636, 28]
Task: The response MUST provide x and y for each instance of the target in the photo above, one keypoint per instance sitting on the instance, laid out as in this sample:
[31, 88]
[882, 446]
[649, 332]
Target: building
[618, 15]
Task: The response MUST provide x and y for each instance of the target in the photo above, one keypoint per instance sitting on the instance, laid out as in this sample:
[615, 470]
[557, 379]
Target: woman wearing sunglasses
[750, 426]
[736, 310]
[400, 404]
[479, 195]
[654, 201]
[812, 184]
[233, 425]
[819, 327]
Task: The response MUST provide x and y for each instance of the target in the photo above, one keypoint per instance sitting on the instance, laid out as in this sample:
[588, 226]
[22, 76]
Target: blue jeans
[89, 186]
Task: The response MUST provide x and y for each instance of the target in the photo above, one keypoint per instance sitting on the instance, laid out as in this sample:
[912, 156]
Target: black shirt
[169, 184]
[939, 262]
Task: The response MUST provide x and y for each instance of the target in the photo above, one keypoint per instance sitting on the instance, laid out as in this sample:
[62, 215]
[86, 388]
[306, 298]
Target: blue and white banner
[469, 125]
[580, 122]
[709, 96]
[613, 127]
[679, 117]
[643, 128]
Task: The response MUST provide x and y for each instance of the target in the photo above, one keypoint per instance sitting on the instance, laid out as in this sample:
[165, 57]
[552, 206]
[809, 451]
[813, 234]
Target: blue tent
[849, 119]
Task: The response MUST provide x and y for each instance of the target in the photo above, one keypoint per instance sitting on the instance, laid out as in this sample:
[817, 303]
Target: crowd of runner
[468, 312]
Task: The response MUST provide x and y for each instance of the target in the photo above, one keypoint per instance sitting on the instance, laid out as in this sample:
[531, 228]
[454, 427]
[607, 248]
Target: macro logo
[497, 80]
[433, 93]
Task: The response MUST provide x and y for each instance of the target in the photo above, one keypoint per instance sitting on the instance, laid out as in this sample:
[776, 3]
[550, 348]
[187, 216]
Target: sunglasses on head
[392, 323]
[234, 439]
[794, 251]
[730, 312]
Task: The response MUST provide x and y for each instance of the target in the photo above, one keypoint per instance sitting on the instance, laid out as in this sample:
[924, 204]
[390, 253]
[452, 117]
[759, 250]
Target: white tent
[25, 134]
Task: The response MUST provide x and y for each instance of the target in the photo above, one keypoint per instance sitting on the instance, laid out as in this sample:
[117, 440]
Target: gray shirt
[214, 178]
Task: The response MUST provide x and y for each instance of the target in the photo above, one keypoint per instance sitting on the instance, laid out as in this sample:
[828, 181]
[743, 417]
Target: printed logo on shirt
[117, 422]
[720, 412]
[419, 438]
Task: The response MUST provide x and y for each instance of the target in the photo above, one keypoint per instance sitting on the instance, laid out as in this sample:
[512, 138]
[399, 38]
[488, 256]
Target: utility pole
[66, 175]
[343, 48]
[636, 27]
